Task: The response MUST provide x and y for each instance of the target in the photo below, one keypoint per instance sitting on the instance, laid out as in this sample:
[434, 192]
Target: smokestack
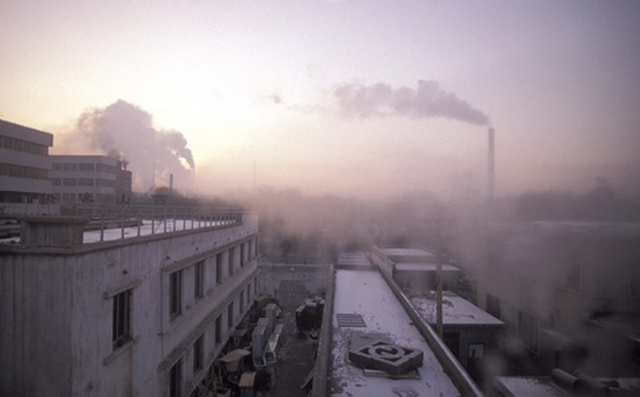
[491, 172]
[171, 183]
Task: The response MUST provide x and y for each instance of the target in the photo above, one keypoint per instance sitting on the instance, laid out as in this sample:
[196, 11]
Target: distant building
[89, 179]
[569, 292]
[133, 316]
[24, 166]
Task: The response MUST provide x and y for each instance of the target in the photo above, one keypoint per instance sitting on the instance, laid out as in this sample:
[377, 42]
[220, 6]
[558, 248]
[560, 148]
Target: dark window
[70, 167]
[175, 294]
[175, 380]
[230, 316]
[242, 258]
[241, 302]
[231, 255]
[121, 319]
[219, 329]
[248, 294]
[452, 340]
[219, 268]
[69, 182]
[198, 354]
[198, 287]
[57, 166]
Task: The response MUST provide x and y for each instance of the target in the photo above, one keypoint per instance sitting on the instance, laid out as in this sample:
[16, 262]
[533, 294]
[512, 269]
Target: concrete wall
[276, 279]
[69, 325]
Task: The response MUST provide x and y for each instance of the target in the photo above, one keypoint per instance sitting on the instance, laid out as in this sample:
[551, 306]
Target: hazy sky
[346, 97]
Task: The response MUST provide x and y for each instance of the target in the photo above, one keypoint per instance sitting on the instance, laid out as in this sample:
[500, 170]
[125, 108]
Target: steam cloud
[428, 100]
[125, 131]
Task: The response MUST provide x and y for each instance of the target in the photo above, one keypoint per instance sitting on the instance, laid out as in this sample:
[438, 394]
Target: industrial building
[24, 166]
[141, 313]
[89, 179]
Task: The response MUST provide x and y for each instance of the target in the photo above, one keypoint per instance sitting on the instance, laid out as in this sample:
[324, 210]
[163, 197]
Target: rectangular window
[198, 354]
[219, 268]
[121, 319]
[86, 167]
[198, 285]
[56, 182]
[85, 182]
[231, 255]
[230, 316]
[249, 294]
[255, 285]
[175, 380]
[57, 166]
[242, 258]
[175, 294]
[218, 329]
[70, 167]
[241, 302]
[69, 182]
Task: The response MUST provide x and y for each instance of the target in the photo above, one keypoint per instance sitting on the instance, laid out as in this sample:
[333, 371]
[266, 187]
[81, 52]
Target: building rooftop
[424, 267]
[366, 311]
[455, 309]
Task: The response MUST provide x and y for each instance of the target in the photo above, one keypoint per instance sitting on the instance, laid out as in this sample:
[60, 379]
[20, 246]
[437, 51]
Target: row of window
[199, 347]
[19, 171]
[84, 167]
[248, 251]
[19, 145]
[83, 182]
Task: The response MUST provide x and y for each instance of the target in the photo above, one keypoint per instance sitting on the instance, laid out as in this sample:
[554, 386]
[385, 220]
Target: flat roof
[455, 309]
[365, 293]
[25, 133]
[424, 267]
[411, 252]
[353, 259]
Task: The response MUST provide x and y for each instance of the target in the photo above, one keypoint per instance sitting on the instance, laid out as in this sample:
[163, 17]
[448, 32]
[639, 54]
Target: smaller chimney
[171, 183]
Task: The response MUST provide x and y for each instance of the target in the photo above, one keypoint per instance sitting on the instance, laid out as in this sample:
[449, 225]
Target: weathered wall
[35, 342]
[61, 310]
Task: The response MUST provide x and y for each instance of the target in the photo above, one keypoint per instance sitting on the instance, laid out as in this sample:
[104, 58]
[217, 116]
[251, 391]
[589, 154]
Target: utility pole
[435, 227]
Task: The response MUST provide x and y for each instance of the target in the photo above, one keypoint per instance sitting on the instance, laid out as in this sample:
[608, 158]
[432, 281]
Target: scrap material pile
[309, 314]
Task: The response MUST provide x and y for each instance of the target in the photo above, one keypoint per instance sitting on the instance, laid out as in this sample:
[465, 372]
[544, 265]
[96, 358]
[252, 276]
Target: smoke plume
[427, 100]
[125, 131]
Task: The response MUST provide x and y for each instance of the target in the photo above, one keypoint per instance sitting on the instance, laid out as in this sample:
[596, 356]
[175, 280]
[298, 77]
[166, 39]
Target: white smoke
[125, 131]
[426, 101]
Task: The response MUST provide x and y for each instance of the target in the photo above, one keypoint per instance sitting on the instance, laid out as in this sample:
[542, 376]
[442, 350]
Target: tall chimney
[492, 160]
[171, 183]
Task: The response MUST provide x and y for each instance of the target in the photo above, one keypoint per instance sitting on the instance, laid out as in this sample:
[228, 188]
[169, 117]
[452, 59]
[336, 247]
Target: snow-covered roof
[147, 228]
[455, 309]
[409, 252]
[424, 267]
[365, 293]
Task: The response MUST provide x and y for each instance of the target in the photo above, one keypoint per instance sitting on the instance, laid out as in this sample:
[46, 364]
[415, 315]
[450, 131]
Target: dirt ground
[295, 360]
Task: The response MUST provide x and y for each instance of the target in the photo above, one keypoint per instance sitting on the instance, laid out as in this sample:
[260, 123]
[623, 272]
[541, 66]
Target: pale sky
[365, 98]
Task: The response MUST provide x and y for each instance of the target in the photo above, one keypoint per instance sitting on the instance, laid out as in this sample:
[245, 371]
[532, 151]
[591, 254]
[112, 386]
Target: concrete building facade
[24, 165]
[140, 316]
[89, 178]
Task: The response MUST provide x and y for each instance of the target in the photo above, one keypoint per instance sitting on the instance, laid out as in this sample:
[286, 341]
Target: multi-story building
[569, 292]
[133, 316]
[24, 164]
[85, 179]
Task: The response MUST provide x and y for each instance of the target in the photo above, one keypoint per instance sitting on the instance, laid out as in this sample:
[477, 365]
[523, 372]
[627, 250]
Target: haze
[334, 97]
